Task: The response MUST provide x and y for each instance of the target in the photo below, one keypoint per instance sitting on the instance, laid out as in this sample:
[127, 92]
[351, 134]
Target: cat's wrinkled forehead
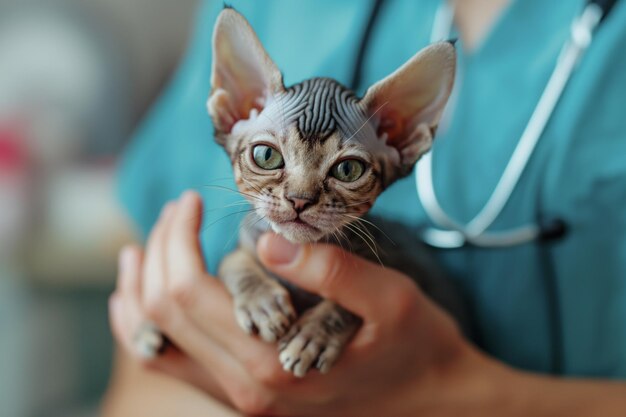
[319, 107]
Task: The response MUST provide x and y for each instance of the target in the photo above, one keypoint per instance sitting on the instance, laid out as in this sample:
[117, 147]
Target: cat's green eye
[348, 170]
[267, 157]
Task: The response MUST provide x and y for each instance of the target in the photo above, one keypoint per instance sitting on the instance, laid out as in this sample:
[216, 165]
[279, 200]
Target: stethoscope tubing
[452, 234]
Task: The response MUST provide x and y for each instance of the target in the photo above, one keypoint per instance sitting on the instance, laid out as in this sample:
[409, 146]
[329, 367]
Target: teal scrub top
[558, 307]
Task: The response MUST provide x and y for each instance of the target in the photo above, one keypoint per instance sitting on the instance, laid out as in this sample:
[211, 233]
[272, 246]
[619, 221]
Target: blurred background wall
[75, 78]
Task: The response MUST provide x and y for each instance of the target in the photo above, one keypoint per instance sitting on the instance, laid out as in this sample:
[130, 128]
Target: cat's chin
[298, 232]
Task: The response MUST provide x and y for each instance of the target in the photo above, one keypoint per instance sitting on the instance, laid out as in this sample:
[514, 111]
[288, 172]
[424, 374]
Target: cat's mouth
[298, 230]
[298, 222]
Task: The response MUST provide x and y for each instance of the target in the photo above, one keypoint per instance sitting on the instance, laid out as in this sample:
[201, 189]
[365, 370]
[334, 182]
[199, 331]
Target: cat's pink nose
[299, 202]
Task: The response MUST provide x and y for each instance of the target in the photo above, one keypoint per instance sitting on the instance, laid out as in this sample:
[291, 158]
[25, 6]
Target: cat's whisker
[232, 190]
[229, 178]
[342, 235]
[256, 221]
[226, 216]
[235, 231]
[366, 231]
[358, 203]
[214, 209]
[261, 218]
[235, 204]
[219, 187]
[198, 186]
[363, 227]
[358, 232]
[361, 219]
[335, 235]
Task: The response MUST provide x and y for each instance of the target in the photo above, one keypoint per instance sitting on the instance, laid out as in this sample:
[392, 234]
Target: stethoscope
[448, 233]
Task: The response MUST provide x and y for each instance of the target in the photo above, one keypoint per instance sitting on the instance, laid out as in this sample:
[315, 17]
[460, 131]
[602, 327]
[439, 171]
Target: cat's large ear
[406, 106]
[243, 75]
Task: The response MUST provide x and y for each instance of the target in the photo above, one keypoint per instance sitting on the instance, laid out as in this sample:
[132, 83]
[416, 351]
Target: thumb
[354, 283]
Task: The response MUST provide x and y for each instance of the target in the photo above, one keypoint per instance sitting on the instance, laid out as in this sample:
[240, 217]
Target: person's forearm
[549, 396]
[497, 390]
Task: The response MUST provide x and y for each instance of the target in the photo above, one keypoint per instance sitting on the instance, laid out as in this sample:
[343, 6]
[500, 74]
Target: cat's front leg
[317, 339]
[262, 305]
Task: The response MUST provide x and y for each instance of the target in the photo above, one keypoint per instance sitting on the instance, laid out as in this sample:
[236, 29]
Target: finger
[116, 320]
[124, 312]
[154, 274]
[185, 264]
[136, 334]
[141, 338]
[360, 286]
[124, 319]
[129, 275]
[184, 248]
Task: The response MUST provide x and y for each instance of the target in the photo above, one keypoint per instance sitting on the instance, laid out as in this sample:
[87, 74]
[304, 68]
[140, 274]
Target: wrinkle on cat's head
[296, 150]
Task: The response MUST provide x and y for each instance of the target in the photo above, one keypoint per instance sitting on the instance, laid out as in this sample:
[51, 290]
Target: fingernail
[280, 250]
[188, 196]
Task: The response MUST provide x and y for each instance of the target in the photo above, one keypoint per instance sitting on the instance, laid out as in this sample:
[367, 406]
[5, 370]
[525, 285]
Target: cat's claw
[149, 341]
[310, 348]
[268, 312]
[313, 343]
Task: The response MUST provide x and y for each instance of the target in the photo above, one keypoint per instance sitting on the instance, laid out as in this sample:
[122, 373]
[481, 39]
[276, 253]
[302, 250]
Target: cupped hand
[407, 358]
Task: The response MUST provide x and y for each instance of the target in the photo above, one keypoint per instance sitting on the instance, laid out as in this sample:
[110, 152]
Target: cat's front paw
[264, 308]
[317, 339]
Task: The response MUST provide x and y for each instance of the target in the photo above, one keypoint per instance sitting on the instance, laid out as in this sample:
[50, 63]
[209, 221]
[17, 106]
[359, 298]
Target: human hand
[168, 285]
[128, 312]
[407, 358]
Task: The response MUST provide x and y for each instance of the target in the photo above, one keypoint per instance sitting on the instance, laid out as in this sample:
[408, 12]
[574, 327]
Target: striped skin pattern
[320, 106]
[311, 159]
